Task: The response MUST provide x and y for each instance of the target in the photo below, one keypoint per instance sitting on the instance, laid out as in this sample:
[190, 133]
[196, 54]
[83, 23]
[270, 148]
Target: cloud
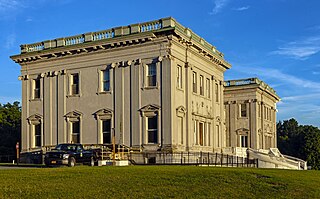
[242, 8]
[301, 49]
[218, 6]
[10, 41]
[8, 5]
[278, 75]
[303, 98]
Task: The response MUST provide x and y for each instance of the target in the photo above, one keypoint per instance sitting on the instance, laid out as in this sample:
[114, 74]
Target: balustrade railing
[126, 30]
[34, 47]
[149, 26]
[74, 40]
[106, 34]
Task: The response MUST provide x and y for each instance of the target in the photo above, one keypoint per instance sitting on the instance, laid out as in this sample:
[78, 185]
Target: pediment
[103, 111]
[150, 108]
[73, 114]
[35, 118]
[242, 130]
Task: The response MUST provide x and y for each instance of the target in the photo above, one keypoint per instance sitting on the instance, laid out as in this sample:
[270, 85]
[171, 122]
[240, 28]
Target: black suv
[69, 154]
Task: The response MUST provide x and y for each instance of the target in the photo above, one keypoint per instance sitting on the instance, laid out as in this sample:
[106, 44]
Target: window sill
[75, 95]
[35, 100]
[150, 87]
[104, 92]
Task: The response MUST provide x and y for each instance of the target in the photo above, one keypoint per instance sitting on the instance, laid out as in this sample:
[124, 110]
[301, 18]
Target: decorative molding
[35, 119]
[181, 111]
[103, 114]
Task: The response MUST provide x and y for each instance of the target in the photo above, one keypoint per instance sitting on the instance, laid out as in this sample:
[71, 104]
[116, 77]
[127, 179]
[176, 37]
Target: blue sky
[275, 40]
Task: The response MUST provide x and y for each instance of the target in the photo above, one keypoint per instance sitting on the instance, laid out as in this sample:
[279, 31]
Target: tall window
[243, 141]
[76, 132]
[201, 132]
[36, 88]
[37, 135]
[243, 110]
[180, 130]
[106, 80]
[217, 92]
[179, 76]
[151, 74]
[152, 129]
[106, 131]
[194, 82]
[208, 87]
[75, 84]
[201, 85]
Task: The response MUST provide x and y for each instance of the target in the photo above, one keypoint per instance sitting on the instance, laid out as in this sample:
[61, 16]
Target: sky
[277, 41]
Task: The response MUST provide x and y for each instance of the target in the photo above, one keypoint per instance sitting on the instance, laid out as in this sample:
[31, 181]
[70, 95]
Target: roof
[251, 82]
[100, 39]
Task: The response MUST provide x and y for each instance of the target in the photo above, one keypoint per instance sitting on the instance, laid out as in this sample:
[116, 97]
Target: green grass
[158, 182]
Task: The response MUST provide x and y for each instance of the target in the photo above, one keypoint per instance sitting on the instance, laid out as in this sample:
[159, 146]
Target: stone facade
[155, 86]
[250, 106]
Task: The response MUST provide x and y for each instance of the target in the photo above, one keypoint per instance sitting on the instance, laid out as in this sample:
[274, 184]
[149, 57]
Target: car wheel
[72, 162]
[91, 163]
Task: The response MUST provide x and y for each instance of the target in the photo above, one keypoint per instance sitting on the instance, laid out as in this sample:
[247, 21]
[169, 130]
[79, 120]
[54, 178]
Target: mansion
[155, 86]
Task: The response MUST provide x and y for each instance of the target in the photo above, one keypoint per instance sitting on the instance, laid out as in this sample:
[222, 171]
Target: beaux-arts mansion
[158, 85]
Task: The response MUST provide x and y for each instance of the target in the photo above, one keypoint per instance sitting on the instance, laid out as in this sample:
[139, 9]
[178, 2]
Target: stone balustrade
[249, 81]
[156, 25]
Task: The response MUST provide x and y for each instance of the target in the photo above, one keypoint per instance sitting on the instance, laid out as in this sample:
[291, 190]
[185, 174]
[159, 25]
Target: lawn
[158, 182]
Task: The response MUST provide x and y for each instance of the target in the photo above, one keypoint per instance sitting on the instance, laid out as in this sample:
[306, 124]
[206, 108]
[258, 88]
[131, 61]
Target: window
[243, 110]
[201, 131]
[152, 129]
[194, 80]
[106, 131]
[201, 85]
[36, 88]
[217, 92]
[75, 132]
[243, 141]
[151, 74]
[180, 130]
[75, 84]
[106, 80]
[208, 87]
[179, 76]
[218, 135]
[37, 135]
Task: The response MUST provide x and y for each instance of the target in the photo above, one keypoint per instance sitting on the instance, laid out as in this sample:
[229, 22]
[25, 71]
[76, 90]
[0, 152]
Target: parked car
[69, 154]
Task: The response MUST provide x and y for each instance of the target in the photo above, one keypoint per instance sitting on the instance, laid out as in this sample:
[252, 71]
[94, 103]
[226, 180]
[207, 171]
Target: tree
[10, 127]
[301, 141]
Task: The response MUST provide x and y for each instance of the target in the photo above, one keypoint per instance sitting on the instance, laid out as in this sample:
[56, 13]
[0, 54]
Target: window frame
[151, 76]
[179, 76]
[194, 82]
[201, 85]
[153, 131]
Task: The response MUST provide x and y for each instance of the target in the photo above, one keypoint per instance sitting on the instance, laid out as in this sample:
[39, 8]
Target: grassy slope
[158, 182]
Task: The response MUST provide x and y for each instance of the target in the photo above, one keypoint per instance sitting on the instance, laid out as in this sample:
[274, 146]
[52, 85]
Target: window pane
[152, 123]
[243, 110]
[152, 69]
[106, 80]
[37, 135]
[153, 129]
[152, 136]
[75, 78]
[76, 127]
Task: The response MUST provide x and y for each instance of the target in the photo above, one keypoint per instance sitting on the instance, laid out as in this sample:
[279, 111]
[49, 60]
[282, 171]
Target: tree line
[10, 127]
[301, 141]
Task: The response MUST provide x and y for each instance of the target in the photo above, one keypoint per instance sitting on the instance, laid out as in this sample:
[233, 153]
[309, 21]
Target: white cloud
[10, 41]
[242, 8]
[301, 49]
[218, 6]
[278, 75]
[8, 4]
